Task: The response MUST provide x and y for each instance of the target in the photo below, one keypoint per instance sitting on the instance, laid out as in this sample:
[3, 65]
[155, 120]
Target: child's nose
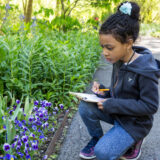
[105, 53]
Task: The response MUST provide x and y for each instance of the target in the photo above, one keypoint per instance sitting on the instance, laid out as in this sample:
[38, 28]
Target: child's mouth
[108, 59]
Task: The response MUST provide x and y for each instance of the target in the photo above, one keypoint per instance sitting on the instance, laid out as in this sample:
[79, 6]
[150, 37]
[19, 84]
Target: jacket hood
[145, 64]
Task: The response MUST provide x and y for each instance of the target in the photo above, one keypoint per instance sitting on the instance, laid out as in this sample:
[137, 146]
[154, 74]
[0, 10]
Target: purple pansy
[27, 145]
[35, 108]
[56, 108]
[25, 139]
[17, 101]
[14, 144]
[61, 106]
[19, 143]
[18, 148]
[45, 157]
[54, 112]
[10, 112]
[4, 126]
[6, 147]
[28, 156]
[34, 146]
[32, 135]
[36, 103]
[14, 107]
[31, 118]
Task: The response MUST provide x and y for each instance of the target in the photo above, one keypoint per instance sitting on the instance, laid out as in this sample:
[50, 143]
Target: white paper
[87, 97]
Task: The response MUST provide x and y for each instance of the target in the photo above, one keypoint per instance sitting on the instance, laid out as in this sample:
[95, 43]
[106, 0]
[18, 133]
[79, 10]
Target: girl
[133, 96]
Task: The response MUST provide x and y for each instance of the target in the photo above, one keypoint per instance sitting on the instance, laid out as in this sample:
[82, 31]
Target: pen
[104, 89]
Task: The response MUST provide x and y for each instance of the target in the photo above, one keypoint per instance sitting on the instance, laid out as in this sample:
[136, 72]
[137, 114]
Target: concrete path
[77, 135]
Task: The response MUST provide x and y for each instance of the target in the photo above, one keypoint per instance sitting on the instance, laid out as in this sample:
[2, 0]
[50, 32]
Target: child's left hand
[100, 106]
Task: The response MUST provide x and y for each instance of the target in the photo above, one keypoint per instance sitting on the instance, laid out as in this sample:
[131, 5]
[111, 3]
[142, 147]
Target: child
[133, 96]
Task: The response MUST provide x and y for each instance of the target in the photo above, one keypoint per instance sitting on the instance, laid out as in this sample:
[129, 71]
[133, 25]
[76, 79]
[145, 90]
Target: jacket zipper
[114, 86]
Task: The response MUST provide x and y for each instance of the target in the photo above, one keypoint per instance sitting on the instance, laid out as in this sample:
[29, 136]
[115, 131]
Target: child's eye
[110, 49]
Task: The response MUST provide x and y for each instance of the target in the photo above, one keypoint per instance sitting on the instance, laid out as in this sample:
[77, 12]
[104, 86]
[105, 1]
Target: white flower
[126, 8]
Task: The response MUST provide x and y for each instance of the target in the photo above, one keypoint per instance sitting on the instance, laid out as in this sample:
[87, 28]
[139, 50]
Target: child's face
[114, 50]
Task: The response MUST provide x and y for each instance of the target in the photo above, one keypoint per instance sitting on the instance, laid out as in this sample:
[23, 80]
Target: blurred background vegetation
[70, 14]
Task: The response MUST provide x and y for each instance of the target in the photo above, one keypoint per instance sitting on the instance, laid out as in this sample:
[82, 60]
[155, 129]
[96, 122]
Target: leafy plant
[6, 121]
[23, 137]
[46, 11]
[47, 66]
[65, 23]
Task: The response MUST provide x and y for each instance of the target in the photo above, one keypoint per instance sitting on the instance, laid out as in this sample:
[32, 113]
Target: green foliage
[6, 121]
[28, 107]
[47, 66]
[14, 126]
[156, 34]
[3, 50]
[150, 29]
[17, 112]
[5, 17]
[149, 11]
[2, 107]
[103, 4]
[10, 129]
[93, 22]
[65, 23]
[45, 11]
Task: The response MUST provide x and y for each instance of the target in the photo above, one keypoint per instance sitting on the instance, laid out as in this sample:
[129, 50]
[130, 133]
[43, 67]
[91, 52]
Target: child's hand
[95, 88]
[100, 106]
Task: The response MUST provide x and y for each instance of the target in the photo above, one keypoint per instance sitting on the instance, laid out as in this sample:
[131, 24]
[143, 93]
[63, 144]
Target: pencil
[104, 89]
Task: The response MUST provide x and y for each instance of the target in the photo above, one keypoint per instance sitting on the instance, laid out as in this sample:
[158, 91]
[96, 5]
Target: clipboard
[87, 97]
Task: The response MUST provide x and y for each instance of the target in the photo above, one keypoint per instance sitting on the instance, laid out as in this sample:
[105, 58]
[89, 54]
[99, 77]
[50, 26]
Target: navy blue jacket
[133, 98]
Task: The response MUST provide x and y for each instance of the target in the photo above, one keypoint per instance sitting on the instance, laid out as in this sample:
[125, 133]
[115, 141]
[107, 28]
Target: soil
[43, 148]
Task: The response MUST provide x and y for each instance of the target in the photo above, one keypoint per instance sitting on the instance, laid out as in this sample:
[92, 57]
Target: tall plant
[49, 65]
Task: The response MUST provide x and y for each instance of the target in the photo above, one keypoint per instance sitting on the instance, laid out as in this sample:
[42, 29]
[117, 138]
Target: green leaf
[3, 55]
[16, 112]
[8, 124]
[28, 107]
[4, 49]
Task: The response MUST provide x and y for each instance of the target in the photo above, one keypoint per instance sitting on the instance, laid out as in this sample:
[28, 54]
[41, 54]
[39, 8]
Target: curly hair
[123, 26]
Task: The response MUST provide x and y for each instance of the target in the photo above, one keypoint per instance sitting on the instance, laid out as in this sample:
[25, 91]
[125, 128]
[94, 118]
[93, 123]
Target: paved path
[77, 135]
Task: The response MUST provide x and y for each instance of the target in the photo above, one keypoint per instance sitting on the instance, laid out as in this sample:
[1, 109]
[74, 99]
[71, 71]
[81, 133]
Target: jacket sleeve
[147, 103]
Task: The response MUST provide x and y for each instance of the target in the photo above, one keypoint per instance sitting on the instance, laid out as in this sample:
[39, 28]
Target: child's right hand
[95, 88]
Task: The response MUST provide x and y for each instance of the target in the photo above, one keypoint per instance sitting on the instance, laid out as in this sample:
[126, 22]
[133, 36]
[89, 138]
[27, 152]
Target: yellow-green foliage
[150, 11]
[150, 29]
[83, 10]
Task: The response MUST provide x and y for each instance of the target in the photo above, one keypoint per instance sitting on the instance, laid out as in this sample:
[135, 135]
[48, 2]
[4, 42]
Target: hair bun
[135, 9]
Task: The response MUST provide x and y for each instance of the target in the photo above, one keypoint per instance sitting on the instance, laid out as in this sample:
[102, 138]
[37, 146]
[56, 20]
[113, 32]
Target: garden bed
[51, 146]
[32, 140]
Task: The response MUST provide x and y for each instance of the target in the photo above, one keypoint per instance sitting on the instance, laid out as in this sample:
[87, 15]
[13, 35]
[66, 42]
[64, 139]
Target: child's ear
[130, 43]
